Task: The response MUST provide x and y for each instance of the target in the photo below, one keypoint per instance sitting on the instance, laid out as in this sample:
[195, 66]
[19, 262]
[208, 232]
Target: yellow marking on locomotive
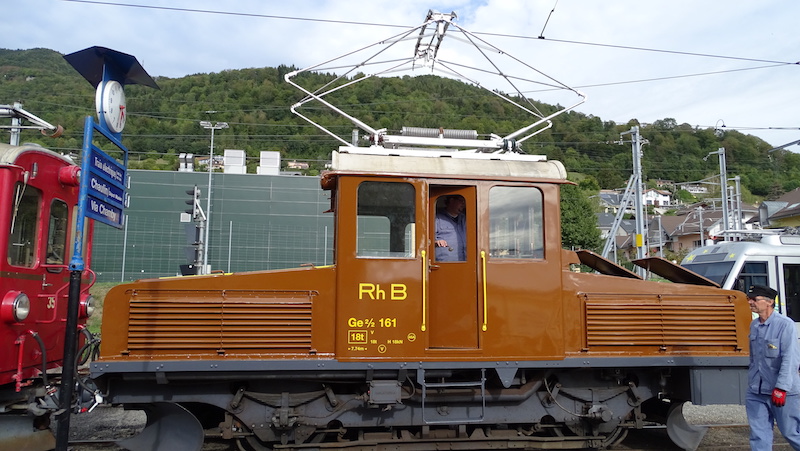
[356, 337]
[373, 291]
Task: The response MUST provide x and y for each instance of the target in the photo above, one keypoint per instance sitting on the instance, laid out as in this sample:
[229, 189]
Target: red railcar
[38, 198]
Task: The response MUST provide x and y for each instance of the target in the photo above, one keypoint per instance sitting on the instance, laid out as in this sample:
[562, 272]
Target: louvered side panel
[273, 326]
[171, 324]
[220, 322]
[665, 323]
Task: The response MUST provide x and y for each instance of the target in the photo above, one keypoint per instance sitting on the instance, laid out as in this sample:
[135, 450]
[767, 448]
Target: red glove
[778, 397]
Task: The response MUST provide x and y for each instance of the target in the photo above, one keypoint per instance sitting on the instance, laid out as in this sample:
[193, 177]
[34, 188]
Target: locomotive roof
[9, 153]
[447, 163]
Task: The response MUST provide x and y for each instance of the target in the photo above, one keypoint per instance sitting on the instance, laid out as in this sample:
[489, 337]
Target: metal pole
[70, 353]
[206, 264]
[738, 202]
[230, 243]
[124, 250]
[700, 222]
[16, 122]
[641, 230]
[723, 187]
[209, 126]
[76, 266]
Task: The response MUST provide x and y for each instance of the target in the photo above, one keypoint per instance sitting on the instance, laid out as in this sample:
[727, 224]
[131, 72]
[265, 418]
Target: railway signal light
[196, 212]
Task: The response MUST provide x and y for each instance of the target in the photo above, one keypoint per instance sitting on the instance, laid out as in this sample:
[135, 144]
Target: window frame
[27, 239]
[407, 237]
[535, 224]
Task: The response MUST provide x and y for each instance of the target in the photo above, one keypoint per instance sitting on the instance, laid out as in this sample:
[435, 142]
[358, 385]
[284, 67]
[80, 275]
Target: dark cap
[761, 290]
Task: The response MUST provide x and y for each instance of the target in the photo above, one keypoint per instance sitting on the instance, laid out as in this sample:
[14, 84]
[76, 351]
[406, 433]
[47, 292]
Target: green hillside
[255, 102]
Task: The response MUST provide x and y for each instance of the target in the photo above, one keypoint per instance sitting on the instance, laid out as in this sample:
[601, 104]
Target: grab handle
[424, 290]
[485, 301]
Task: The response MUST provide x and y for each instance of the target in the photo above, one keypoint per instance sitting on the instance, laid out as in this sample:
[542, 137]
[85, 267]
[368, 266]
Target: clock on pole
[110, 104]
[109, 71]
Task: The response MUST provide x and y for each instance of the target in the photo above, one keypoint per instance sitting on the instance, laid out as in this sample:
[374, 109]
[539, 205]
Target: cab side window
[515, 222]
[386, 220]
[753, 273]
[24, 224]
[57, 232]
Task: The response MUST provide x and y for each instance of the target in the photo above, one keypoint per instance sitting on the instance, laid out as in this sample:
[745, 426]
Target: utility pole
[641, 230]
[660, 239]
[700, 226]
[634, 189]
[723, 189]
[737, 204]
[206, 268]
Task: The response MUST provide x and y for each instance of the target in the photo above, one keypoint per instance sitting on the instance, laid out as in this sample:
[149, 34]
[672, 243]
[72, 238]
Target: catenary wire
[385, 25]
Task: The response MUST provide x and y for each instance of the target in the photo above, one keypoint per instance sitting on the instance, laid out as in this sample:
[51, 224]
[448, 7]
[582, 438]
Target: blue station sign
[105, 186]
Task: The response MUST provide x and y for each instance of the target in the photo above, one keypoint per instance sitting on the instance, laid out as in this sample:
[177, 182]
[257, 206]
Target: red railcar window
[57, 232]
[25, 207]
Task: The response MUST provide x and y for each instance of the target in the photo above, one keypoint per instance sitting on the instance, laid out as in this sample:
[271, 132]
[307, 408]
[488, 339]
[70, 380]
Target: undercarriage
[411, 409]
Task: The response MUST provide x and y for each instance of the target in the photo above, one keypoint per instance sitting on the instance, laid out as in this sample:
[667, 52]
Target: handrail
[485, 302]
[424, 290]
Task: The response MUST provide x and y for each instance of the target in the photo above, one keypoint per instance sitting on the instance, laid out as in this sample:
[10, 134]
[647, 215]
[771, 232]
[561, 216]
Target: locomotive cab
[400, 297]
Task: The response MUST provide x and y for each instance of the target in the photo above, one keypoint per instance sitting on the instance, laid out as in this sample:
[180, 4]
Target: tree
[578, 223]
[685, 196]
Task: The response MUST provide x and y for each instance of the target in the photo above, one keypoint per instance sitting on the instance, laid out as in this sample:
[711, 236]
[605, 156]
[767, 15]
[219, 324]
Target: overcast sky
[705, 63]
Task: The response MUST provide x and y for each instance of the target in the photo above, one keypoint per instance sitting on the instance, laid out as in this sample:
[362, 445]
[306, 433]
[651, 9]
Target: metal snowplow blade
[682, 433]
[18, 433]
[169, 427]
[673, 272]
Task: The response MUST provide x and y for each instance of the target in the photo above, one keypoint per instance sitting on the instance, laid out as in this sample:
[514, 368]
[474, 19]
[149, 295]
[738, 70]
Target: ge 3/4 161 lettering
[382, 322]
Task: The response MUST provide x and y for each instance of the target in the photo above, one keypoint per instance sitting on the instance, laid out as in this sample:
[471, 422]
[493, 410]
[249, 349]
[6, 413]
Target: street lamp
[209, 126]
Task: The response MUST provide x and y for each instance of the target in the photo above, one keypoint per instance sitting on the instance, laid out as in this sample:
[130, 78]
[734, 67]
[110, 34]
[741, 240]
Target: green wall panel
[257, 222]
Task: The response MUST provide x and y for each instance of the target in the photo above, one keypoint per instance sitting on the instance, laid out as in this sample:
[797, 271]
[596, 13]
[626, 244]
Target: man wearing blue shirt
[773, 394]
[451, 231]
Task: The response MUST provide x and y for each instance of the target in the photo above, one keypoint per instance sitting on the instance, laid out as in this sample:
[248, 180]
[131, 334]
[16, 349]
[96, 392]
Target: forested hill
[255, 103]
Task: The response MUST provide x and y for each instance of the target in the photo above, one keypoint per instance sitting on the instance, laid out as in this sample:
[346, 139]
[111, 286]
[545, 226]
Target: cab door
[379, 261]
[522, 273]
[453, 296]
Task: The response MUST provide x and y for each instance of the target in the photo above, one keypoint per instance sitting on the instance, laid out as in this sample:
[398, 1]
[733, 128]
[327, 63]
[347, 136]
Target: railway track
[100, 430]
[728, 430]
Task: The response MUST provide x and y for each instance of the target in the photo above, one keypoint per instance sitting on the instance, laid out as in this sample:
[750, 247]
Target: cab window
[753, 273]
[515, 222]
[24, 222]
[57, 233]
[386, 220]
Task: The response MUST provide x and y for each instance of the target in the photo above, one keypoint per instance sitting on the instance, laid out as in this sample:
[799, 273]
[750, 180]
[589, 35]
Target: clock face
[110, 101]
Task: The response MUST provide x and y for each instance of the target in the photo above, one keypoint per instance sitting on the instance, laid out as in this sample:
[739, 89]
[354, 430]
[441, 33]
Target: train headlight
[70, 175]
[87, 306]
[16, 307]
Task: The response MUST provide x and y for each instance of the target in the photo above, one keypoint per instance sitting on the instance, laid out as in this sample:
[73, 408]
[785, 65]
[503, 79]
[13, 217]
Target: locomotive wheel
[615, 437]
[251, 443]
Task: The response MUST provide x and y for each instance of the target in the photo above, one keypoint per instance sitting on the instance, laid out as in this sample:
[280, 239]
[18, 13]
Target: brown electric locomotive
[391, 345]
[507, 344]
